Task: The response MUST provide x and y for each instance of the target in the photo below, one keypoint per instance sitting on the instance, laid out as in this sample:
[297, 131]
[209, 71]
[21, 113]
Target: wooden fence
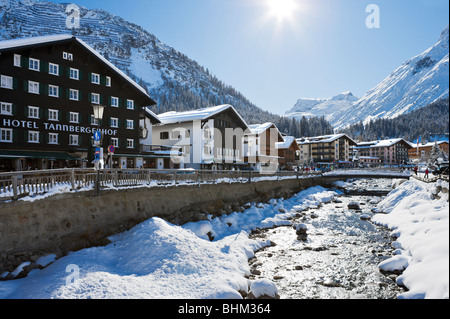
[16, 185]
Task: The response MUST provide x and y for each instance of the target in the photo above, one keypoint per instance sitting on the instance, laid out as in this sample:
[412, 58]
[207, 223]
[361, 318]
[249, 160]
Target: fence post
[14, 184]
[72, 178]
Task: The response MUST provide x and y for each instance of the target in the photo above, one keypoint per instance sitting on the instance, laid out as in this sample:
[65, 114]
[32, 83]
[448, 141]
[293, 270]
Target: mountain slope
[330, 108]
[176, 82]
[415, 84]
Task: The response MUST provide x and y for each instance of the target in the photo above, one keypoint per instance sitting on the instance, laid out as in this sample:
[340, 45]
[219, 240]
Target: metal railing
[15, 185]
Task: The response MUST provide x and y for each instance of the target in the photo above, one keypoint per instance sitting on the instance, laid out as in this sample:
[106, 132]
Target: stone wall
[69, 222]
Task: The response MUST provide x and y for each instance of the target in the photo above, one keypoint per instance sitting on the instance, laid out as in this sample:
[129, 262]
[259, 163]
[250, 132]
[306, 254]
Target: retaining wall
[69, 222]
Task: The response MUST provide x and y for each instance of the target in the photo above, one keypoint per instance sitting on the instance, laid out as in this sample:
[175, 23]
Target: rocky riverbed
[332, 252]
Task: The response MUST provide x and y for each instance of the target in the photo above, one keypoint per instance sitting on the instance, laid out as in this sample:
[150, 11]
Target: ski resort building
[383, 152]
[55, 93]
[423, 151]
[208, 138]
[260, 147]
[326, 150]
[289, 153]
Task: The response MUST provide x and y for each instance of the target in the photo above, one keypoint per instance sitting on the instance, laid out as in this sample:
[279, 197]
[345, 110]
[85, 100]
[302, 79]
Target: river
[338, 258]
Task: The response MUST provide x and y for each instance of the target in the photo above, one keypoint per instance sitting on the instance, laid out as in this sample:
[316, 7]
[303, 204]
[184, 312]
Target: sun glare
[282, 9]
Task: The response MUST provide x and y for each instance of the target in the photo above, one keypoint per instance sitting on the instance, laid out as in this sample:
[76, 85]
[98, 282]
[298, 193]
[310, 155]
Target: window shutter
[15, 83]
[80, 96]
[25, 62]
[14, 110]
[25, 85]
[102, 80]
[60, 92]
[44, 66]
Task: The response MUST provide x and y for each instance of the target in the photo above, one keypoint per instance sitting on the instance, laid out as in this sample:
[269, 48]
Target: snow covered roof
[430, 144]
[33, 41]
[382, 143]
[196, 115]
[288, 140]
[324, 139]
[260, 128]
[151, 115]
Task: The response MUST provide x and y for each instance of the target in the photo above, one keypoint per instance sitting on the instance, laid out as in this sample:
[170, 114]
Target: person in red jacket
[426, 173]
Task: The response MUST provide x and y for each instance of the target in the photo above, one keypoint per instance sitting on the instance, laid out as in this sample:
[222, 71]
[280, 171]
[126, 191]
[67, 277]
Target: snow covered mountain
[175, 81]
[415, 84]
[331, 108]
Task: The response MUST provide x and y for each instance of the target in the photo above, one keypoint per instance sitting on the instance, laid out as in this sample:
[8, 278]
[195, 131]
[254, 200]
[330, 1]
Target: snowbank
[421, 226]
[158, 260]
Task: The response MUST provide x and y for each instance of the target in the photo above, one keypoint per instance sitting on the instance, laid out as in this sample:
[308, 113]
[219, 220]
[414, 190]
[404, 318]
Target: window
[6, 135]
[17, 60]
[130, 124]
[74, 74]
[130, 104]
[95, 98]
[94, 121]
[74, 140]
[33, 112]
[115, 142]
[130, 143]
[95, 78]
[53, 138]
[53, 90]
[33, 87]
[114, 101]
[74, 117]
[114, 122]
[164, 135]
[33, 137]
[34, 64]
[6, 82]
[108, 81]
[67, 56]
[74, 95]
[53, 115]
[53, 69]
[6, 108]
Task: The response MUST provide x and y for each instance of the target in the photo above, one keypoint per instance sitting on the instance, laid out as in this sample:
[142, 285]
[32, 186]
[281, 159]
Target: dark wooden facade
[47, 94]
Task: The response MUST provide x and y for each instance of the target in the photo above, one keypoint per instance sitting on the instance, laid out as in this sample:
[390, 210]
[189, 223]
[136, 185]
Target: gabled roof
[198, 115]
[24, 43]
[288, 140]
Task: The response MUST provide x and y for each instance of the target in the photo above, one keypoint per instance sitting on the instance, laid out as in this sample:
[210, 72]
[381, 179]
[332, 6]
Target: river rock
[353, 205]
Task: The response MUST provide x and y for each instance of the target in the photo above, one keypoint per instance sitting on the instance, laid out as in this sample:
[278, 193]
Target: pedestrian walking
[415, 170]
[426, 173]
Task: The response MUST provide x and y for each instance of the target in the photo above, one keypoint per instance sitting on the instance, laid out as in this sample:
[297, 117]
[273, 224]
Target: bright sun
[282, 9]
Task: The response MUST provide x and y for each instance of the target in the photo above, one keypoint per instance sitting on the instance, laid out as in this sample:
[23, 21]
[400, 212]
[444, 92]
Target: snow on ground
[421, 226]
[159, 260]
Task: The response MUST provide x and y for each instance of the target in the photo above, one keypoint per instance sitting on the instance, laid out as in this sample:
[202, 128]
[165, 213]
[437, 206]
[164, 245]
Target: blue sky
[321, 49]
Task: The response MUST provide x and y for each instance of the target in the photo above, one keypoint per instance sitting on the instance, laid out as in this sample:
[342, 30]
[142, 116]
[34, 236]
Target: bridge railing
[15, 185]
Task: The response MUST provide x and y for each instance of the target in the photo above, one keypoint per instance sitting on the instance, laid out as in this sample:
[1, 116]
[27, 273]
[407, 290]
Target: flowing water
[338, 258]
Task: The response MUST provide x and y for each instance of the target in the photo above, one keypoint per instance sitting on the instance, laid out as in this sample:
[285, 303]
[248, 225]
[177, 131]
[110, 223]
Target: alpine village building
[48, 88]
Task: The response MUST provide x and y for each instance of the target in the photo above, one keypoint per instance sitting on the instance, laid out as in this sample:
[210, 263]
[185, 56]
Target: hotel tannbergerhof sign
[54, 127]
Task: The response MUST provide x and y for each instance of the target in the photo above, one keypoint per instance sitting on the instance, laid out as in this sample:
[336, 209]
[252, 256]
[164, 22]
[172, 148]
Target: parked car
[441, 171]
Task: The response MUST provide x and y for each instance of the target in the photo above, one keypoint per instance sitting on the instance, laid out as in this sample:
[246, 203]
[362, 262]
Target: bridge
[16, 185]
[364, 174]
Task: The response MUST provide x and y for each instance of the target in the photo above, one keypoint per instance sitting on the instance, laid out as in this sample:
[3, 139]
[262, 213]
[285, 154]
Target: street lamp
[98, 162]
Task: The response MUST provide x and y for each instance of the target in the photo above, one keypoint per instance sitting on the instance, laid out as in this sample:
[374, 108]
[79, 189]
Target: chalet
[327, 149]
[208, 138]
[289, 153]
[260, 147]
[423, 151]
[383, 152]
[55, 93]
